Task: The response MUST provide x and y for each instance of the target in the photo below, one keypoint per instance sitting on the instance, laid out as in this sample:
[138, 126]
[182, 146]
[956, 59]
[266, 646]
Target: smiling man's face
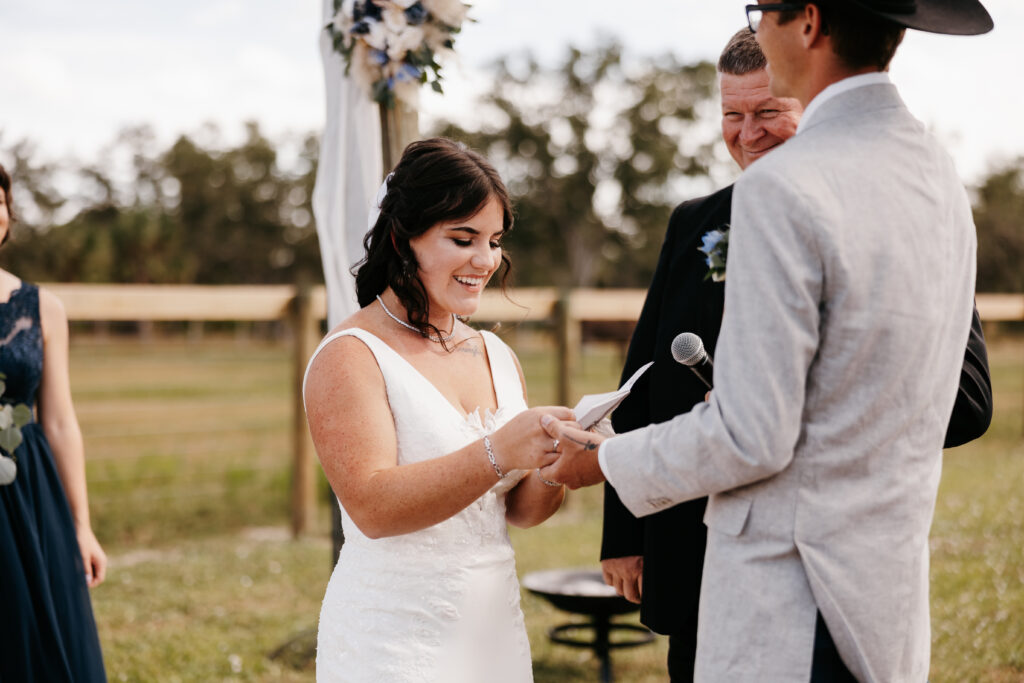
[753, 121]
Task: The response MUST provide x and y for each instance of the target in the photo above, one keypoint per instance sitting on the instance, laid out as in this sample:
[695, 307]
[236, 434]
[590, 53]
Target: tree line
[596, 150]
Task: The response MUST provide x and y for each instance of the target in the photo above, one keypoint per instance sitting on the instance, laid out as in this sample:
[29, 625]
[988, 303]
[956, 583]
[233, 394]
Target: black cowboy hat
[954, 17]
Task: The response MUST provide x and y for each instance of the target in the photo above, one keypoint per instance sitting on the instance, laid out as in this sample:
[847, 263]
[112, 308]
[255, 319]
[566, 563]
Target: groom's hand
[625, 575]
[577, 463]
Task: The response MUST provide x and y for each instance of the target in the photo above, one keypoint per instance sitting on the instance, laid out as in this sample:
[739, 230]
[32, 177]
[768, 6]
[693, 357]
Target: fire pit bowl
[583, 591]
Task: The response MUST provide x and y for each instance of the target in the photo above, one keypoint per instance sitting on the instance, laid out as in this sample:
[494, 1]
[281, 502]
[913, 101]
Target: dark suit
[681, 299]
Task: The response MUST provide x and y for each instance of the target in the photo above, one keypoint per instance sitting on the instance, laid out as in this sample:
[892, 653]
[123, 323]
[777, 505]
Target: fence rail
[303, 310]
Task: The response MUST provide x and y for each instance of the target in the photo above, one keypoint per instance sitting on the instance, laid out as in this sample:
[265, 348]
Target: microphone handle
[704, 369]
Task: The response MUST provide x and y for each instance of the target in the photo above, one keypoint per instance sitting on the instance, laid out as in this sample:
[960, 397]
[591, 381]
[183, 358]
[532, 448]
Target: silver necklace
[439, 340]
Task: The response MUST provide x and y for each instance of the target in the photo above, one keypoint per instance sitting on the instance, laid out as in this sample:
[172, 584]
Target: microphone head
[688, 349]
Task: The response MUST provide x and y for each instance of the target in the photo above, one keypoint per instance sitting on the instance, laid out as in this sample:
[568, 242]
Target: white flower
[364, 71]
[377, 38]
[381, 48]
[399, 45]
[342, 21]
[394, 20]
[451, 12]
[436, 38]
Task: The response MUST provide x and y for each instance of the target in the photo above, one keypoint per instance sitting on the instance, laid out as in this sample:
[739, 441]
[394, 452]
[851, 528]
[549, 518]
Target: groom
[657, 560]
[851, 276]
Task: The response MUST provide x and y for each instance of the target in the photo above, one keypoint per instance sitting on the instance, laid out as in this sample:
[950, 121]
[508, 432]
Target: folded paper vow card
[592, 408]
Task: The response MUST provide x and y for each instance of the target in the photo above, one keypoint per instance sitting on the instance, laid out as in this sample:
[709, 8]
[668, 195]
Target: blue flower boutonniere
[715, 247]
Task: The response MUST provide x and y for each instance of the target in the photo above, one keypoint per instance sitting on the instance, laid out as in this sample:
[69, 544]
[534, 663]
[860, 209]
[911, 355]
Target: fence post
[568, 334]
[305, 329]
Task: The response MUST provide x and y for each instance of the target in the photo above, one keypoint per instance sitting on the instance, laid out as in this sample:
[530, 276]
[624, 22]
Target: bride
[421, 425]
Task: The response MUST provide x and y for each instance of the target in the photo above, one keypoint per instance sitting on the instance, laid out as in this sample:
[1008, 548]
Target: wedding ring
[554, 445]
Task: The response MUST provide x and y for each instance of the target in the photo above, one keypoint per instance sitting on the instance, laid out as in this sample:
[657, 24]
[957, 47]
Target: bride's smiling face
[457, 258]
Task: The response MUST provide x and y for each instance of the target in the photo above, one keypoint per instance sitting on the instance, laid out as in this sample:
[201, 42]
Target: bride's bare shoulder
[346, 357]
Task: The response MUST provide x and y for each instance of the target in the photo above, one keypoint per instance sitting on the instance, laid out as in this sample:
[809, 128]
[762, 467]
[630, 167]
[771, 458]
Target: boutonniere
[715, 247]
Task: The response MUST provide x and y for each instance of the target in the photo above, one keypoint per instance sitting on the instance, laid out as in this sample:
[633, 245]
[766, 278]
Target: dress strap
[24, 301]
[507, 384]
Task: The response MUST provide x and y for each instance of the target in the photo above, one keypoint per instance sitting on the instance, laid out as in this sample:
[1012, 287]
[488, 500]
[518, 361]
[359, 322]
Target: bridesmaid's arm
[354, 433]
[59, 423]
[531, 501]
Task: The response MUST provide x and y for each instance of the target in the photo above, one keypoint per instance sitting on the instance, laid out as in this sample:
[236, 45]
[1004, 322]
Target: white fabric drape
[348, 176]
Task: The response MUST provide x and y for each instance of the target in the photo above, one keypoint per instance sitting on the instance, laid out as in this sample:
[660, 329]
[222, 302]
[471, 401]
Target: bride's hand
[523, 444]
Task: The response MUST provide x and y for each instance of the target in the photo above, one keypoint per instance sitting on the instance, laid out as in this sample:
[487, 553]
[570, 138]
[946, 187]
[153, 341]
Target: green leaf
[3, 387]
[10, 439]
[6, 418]
[22, 415]
[383, 95]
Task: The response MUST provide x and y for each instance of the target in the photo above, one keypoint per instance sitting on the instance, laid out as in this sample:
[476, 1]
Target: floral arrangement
[12, 419]
[715, 246]
[393, 44]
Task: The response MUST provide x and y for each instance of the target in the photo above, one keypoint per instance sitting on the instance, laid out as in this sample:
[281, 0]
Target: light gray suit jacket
[848, 302]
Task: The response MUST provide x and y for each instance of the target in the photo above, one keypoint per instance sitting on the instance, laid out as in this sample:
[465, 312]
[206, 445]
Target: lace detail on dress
[21, 345]
[440, 604]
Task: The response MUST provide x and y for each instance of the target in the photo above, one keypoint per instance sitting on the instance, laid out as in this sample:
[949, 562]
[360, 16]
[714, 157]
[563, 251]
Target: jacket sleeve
[622, 533]
[748, 429]
[972, 412]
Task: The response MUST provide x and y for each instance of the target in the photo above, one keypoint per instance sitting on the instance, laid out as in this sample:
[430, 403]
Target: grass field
[187, 463]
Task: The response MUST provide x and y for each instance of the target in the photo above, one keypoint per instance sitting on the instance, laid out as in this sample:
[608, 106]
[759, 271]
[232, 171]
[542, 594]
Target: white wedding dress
[441, 604]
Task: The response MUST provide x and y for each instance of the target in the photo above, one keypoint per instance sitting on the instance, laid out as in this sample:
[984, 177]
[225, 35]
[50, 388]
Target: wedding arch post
[399, 126]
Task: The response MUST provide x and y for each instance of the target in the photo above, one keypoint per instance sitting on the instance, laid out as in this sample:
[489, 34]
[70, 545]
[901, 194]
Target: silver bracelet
[490, 456]
[549, 483]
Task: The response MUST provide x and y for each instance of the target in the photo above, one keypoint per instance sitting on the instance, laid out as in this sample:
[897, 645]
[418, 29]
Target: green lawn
[188, 472]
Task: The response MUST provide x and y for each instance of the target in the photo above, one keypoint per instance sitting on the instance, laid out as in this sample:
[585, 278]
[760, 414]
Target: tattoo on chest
[471, 349]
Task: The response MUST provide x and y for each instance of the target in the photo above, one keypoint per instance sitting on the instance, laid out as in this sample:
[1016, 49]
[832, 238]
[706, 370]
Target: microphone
[688, 349]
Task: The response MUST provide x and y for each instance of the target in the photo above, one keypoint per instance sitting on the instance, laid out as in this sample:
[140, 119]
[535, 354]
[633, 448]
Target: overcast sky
[77, 72]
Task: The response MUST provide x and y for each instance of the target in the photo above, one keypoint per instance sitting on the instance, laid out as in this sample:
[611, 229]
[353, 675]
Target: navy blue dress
[47, 630]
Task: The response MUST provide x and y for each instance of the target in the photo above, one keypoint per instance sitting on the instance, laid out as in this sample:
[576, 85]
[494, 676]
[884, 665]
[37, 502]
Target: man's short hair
[859, 39]
[742, 55]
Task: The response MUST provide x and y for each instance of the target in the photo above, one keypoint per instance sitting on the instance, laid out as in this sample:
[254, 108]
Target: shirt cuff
[601, 459]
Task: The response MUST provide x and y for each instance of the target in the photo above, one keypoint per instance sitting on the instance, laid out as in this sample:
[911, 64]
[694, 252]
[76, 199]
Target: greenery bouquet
[12, 419]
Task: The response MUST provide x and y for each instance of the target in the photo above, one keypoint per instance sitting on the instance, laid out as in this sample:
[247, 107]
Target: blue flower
[367, 9]
[715, 246]
[407, 72]
[379, 57]
[710, 241]
[416, 14]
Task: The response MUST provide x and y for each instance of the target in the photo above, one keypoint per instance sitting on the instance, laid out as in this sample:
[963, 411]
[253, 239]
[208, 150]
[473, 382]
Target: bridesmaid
[49, 556]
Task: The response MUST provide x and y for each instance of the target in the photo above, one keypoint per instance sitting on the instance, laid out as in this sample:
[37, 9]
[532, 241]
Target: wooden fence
[304, 310]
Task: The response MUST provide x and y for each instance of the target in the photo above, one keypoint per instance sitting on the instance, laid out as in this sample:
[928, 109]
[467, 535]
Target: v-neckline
[466, 417]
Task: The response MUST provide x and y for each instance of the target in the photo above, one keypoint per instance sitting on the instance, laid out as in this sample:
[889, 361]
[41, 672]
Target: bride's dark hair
[436, 180]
